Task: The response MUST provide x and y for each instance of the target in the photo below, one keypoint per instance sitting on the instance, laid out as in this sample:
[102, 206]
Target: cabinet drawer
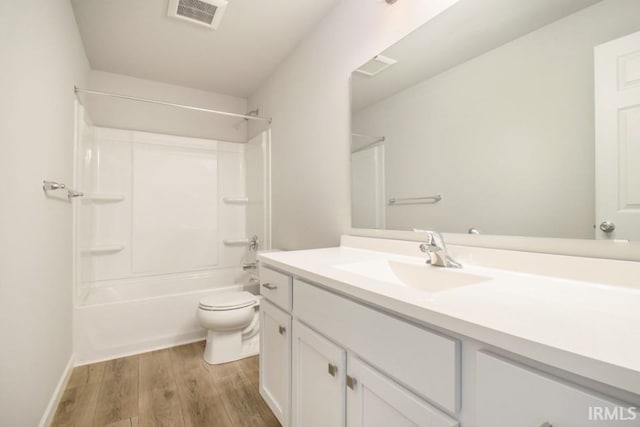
[276, 287]
[509, 395]
[423, 361]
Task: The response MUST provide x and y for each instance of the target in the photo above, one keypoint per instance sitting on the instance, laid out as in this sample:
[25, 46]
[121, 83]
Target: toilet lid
[227, 300]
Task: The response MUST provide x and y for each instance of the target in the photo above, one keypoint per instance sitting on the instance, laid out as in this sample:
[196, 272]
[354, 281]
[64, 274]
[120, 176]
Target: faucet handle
[254, 243]
[434, 238]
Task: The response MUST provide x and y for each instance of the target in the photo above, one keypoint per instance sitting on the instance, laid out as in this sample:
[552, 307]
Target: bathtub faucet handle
[254, 243]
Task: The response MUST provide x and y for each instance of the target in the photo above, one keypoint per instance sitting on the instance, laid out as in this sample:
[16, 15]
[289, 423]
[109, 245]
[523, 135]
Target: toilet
[232, 323]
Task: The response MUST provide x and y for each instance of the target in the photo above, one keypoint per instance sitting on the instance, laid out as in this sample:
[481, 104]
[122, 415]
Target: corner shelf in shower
[104, 197]
[102, 249]
[235, 200]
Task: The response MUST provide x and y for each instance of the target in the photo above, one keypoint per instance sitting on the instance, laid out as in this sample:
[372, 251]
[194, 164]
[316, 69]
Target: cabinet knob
[351, 382]
[332, 369]
[282, 330]
[270, 286]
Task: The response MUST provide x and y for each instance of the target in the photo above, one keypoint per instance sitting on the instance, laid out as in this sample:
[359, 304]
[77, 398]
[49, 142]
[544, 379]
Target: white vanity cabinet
[367, 352]
[330, 360]
[306, 380]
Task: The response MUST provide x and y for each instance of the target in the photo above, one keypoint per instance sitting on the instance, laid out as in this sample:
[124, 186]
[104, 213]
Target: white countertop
[589, 329]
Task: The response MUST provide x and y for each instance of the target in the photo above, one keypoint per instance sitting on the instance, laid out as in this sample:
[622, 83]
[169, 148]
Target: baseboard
[50, 412]
[144, 347]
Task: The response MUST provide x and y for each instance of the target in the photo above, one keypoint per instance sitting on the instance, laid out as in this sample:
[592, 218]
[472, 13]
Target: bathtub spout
[249, 266]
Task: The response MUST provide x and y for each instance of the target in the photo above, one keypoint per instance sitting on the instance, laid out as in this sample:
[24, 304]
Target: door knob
[607, 226]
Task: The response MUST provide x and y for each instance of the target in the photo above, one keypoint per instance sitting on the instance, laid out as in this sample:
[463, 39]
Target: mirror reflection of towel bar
[415, 200]
[235, 242]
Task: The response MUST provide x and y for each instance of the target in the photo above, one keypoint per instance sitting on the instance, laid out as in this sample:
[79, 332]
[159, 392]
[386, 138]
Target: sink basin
[414, 275]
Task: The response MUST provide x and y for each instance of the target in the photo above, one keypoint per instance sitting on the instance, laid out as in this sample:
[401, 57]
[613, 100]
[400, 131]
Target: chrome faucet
[437, 250]
[254, 244]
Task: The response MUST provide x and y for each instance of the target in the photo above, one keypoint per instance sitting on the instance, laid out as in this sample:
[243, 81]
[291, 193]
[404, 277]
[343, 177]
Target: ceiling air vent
[376, 65]
[207, 13]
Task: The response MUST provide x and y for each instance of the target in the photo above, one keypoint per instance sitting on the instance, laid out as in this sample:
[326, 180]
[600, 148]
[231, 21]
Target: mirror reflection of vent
[376, 65]
[207, 13]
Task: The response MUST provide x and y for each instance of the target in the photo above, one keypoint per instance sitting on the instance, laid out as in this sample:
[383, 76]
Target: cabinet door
[318, 371]
[374, 400]
[275, 359]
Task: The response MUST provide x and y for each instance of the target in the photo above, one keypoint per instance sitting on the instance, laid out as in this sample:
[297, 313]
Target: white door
[374, 400]
[275, 359]
[367, 187]
[318, 380]
[617, 115]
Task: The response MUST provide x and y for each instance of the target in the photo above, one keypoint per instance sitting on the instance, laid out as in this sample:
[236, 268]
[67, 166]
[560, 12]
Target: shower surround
[164, 221]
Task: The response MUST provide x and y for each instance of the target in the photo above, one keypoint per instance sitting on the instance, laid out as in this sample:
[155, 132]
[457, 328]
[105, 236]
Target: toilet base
[224, 347]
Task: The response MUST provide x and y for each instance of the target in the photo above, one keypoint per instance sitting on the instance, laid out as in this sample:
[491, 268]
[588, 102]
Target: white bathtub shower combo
[160, 236]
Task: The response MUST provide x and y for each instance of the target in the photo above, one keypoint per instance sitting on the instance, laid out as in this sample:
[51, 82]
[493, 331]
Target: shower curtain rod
[77, 90]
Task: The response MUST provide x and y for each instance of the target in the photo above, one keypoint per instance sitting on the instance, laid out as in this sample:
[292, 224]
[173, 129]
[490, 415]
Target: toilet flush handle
[269, 286]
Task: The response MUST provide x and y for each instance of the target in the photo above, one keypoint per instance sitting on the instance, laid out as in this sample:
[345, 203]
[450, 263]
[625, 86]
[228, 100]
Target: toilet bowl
[232, 323]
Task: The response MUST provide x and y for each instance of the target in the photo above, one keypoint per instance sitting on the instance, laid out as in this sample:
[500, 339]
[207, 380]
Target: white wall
[308, 98]
[133, 115]
[42, 58]
[507, 137]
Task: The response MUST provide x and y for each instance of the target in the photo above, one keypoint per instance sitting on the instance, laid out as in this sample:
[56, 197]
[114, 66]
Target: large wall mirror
[504, 117]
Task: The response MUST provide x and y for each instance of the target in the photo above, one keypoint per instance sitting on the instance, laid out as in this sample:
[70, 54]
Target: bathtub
[145, 314]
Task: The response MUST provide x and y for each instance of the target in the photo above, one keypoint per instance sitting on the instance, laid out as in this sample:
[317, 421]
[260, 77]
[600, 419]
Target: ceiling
[137, 38]
[467, 29]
